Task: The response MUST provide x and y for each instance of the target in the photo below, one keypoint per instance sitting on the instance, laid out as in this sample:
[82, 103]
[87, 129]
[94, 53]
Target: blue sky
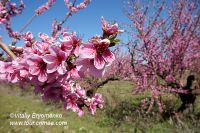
[86, 22]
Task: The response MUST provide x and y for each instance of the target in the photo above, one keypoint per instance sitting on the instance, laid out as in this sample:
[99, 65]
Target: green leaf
[111, 38]
[116, 41]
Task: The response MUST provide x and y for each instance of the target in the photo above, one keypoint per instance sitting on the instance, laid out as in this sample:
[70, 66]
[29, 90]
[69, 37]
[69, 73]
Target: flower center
[100, 49]
[42, 65]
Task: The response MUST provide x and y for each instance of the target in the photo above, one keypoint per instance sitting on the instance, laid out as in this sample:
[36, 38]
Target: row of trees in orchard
[163, 53]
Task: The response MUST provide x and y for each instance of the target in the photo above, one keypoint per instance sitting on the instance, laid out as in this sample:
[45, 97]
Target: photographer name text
[35, 115]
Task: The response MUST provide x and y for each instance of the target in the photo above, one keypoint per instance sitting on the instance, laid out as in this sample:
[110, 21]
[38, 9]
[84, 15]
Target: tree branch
[7, 50]
[95, 86]
[24, 27]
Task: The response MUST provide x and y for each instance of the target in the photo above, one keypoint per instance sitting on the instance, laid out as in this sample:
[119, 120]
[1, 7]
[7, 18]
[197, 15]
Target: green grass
[13, 100]
[121, 113]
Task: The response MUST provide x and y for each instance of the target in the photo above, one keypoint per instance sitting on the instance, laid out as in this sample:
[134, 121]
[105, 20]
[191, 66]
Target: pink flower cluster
[76, 8]
[8, 10]
[110, 29]
[45, 7]
[54, 66]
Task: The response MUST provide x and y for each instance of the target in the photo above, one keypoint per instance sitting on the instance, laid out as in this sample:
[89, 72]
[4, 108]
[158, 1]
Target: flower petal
[52, 68]
[99, 62]
[14, 78]
[61, 69]
[23, 73]
[62, 55]
[34, 60]
[34, 70]
[96, 72]
[108, 56]
[87, 51]
[49, 59]
[42, 77]
[54, 49]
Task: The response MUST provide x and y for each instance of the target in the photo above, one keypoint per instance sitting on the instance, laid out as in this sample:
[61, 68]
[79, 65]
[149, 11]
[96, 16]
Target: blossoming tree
[121, 67]
[54, 63]
[165, 44]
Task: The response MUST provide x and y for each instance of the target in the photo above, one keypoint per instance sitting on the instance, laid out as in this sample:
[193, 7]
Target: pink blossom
[86, 66]
[74, 73]
[95, 102]
[45, 7]
[45, 38]
[55, 60]
[13, 77]
[37, 67]
[80, 91]
[39, 48]
[70, 42]
[81, 5]
[98, 50]
[74, 8]
[23, 68]
[8, 10]
[42, 48]
[110, 29]
[71, 103]
[52, 65]
[28, 38]
[9, 71]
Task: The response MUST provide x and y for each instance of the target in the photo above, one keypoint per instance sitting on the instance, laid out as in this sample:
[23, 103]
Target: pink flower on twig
[86, 66]
[98, 50]
[70, 43]
[95, 102]
[37, 67]
[109, 29]
[56, 60]
[71, 103]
